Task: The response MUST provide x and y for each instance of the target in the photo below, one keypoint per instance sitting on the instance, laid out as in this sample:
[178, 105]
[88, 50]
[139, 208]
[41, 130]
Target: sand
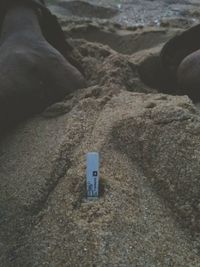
[148, 210]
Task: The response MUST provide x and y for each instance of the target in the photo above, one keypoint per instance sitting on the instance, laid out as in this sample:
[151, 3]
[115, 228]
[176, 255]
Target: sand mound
[149, 189]
[148, 211]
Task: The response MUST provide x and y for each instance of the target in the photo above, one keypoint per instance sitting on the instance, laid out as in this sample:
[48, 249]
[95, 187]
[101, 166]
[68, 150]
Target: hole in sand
[150, 105]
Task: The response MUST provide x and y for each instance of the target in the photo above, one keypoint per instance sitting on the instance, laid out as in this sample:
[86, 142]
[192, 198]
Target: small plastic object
[92, 175]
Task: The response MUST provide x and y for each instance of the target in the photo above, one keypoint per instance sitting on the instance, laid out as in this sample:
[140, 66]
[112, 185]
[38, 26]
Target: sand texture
[149, 145]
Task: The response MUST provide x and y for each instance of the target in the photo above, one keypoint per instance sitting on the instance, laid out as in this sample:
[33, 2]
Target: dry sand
[148, 210]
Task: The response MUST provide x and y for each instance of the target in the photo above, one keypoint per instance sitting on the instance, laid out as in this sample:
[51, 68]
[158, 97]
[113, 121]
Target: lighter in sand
[92, 175]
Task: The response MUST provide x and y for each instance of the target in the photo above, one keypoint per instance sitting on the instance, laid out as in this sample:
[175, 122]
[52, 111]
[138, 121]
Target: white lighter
[92, 175]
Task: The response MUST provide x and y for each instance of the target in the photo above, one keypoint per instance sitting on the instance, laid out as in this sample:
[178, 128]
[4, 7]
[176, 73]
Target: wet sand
[137, 12]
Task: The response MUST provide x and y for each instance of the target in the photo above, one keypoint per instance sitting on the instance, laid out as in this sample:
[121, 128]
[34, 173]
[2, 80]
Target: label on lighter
[92, 175]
